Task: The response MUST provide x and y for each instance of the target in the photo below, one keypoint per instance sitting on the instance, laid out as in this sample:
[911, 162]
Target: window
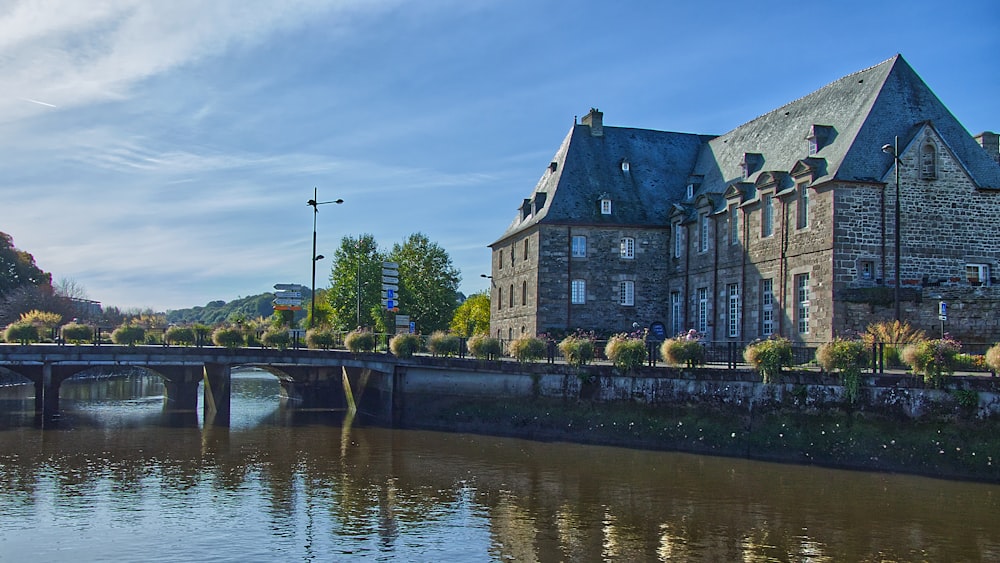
[978, 274]
[703, 229]
[511, 255]
[734, 225]
[524, 293]
[511, 295]
[766, 216]
[500, 261]
[734, 309]
[802, 300]
[802, 209]
[526, 249]
[928, 162]
[578, 292]
[703, 310]
[605, 206]
[813, 144]
[766, 307]
[676, 321]
[627, 248]
[624, 165]
[690, 191]
[626, 293]
[499, 298]
[866, 269]
[579, 246]
[678, 240]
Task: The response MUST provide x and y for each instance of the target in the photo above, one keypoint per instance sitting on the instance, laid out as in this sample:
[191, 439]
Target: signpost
[287, 297]
[390, 286]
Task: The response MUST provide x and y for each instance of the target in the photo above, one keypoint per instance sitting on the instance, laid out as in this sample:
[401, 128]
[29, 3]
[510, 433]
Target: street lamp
[315, 258]
[893, 150]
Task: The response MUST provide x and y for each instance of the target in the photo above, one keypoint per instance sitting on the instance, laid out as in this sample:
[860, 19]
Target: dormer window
[813, 144]
[690, 191]
[624, 165]
[928, 162]
[751, 163]
[606, 206]
[818, 137]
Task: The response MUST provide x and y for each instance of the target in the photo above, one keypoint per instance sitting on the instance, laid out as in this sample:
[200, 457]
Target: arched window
[928, 162]
[524, 293]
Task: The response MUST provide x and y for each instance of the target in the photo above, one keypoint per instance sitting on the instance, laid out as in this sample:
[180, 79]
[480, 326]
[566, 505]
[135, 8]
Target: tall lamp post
[312, 298]
[893, 150]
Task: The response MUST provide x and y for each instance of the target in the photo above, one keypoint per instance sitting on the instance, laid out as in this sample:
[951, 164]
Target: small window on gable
[813, 144]
[690, 191]
[928, 162]
[978, 274]
[606, 206]
[625, 165]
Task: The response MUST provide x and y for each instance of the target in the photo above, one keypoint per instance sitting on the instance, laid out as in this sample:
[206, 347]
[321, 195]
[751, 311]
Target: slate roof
[854, 116]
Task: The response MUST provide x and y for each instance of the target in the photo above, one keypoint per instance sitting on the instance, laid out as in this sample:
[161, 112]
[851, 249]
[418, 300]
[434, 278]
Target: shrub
[485, 347]
[895, 335]
[360, 341]
[441, 343]
[849, 357]
[405, 345]
[993, 358]
[128, 335]
[768, 357]
[970, 362]
[321, 338]
[228, 337]
[77, 333]
[681, 351]
[42, 319]
[527, 348]
[276, 337]
[183, 335]
[933, 359]
[202, 333]
[625, 353]
[578, 350]
[21, 332]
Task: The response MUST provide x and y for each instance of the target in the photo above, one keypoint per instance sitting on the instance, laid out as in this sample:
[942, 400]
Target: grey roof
[588, 168]
[859, 113]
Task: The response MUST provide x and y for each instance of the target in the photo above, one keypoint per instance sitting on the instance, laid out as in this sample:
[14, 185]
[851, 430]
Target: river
[117, 480]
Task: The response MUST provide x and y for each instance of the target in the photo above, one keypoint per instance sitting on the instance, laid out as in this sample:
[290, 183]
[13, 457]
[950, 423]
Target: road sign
[390, 286]
[390, 293]
[288, 294]
[288, 287]
[390, 280]
[287, 307]
[390, 304]
[291, 302]
[390, 265]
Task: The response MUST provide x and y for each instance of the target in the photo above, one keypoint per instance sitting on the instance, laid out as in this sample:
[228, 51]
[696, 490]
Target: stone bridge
[309, 378]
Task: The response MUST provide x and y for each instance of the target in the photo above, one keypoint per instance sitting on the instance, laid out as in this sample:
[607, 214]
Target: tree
[473, 316]
[355, 256]
[428, 282]
[17, 268]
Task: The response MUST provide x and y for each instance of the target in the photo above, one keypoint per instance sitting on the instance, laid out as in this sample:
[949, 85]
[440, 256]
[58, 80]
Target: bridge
[310, 378]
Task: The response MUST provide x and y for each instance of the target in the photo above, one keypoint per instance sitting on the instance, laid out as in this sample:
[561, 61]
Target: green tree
[428, 282]
[17, 268]
[472, 317]
[355, 256]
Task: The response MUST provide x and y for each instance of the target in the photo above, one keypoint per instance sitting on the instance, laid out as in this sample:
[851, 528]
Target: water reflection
[115, 482]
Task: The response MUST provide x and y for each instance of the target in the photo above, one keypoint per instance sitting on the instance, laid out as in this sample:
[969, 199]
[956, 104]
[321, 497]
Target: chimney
[991, 144]
[595, 120]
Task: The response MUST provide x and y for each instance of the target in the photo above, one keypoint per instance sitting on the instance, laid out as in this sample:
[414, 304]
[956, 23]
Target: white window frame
[605, 207]
[578, 292]
[704, 231]
[766, 307]
[734, 309]
[579, 246]
[802, 300]
[626, 293]
[627, 248]
[978, 274]
[678, 240]
[734, 225]
[676, 320]
[703, 310]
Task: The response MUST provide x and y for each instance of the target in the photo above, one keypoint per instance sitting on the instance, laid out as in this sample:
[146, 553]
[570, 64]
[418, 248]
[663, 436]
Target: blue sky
[160, 154]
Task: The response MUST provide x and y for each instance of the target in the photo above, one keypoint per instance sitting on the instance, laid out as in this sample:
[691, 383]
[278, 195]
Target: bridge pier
[218, 389]
[313, 388]
[47, 393]
[180, 388]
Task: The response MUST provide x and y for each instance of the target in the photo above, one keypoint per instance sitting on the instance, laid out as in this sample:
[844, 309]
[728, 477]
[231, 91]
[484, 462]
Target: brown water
[119, 481]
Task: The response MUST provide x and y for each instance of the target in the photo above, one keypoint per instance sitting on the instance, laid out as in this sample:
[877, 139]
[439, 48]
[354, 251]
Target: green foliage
[42, 319]
[768, 357]
[472, 317]
[527, 348]
[18, 269]
[128, 335]
[993, 358]
[967, 399]
[970, 362]
[21, 332]
[895, 335]
[849, 357]
[320, 338]
[485, 347]
[183, 335]
[443, 344]
[428, 282]
[217, 312]
[625, 353]
[77, 333]
[276, 338]
[360, 341]
[228, 337]
[324, 313]
[202, 332]
[355, 256]
[578, 350]
[405, 345]
[933, 359]
[681, 351]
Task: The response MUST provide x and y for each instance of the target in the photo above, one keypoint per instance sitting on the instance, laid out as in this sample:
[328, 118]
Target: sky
[160, 154]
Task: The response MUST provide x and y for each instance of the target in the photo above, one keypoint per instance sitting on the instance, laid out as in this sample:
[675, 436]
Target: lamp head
[888, 149]
[319, 257]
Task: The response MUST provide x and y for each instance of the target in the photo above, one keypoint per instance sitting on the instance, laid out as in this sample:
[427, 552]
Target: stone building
[786, 225]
